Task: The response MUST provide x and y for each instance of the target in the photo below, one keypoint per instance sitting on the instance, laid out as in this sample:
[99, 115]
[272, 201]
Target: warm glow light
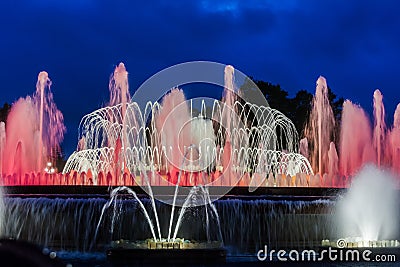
[49, 168]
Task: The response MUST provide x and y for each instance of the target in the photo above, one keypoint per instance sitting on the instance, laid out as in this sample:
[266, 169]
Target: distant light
[49, 168]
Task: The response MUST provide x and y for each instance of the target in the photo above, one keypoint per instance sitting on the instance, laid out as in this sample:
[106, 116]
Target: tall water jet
[119, 95]
[369, 209]
[230, 122]
[166, 139]
[354, 152]
[229, 100]
[119, 87]
[42, 82]
[169, 122]
[119, 92]
[51, 119]
[394, 141]
[22, 127]
[320, 127]
[379, 126]
[34, 130]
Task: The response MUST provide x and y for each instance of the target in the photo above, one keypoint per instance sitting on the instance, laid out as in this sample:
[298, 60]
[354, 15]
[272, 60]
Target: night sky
[354, 44]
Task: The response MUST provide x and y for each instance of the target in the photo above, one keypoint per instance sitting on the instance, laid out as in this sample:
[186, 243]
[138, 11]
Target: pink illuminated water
[170, 122]
[303, 149]
[359, 143]
[42, 82]
[119, 87]
[228, 121]
[34, 130]
[394, 140]
[119, 95]
[355, 139]
[333, 160]
[379, 127]
[319, 130]
[187, 139]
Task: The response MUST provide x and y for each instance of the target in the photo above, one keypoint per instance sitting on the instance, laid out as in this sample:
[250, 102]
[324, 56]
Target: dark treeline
[4, 112]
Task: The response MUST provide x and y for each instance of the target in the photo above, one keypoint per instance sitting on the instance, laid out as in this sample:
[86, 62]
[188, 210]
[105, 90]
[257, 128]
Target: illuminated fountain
[197, 201]
[241, 149]
[373, 144]
[31, 138]
[224, 143]
[237, 142]
[191, 147]
[319, 131]
[368, 214]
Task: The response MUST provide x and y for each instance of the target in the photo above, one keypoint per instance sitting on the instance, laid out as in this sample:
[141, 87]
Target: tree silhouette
[4, 112]
[277, 97]
[300, 108]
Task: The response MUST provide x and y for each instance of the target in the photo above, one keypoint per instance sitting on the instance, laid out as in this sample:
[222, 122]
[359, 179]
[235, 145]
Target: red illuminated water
[360, 142]
[394, 141]
[355, 139]
[34, 130]
[319, 131]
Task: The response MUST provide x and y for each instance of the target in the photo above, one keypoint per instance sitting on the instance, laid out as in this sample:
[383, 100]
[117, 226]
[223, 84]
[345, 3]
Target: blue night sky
[354, 44]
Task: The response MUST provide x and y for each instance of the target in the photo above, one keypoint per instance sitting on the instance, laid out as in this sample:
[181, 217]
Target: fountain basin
[178, 250]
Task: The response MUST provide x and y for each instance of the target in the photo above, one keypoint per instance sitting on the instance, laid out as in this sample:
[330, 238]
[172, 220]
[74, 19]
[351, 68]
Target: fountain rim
[237, 192]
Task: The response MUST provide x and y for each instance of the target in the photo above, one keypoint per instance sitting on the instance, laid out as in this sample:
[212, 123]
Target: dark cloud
[355, 44]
